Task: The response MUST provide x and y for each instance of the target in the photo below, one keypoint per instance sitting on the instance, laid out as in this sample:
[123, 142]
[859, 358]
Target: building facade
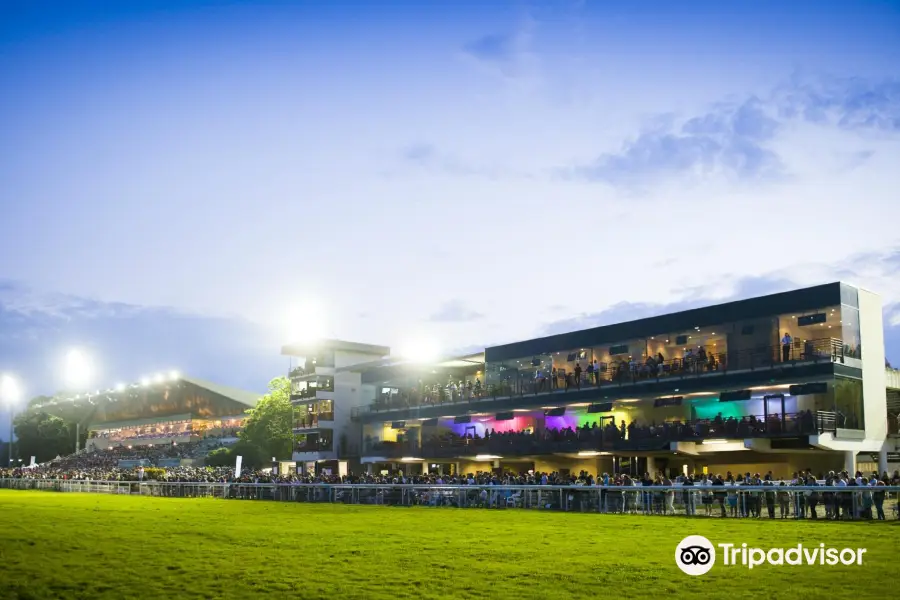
[326, 388]
[778, 383]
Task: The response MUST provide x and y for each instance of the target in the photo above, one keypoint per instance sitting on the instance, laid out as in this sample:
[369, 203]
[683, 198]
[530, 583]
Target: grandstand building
[777, 383]
[326, 388]
[164, 410]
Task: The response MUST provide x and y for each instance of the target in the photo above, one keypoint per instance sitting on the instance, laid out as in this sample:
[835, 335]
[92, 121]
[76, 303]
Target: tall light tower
[78, 371]
[10, 394]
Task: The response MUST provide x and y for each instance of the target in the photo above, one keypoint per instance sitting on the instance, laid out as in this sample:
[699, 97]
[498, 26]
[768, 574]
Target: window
[848, 402]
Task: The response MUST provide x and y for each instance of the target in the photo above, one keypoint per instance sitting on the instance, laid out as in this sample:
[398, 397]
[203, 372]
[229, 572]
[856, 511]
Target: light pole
[79, 373]
[10, 394]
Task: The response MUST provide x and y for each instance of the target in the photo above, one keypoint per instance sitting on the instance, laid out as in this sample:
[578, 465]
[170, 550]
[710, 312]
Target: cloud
[857, 269]
[492, 48]
[455, 311]
[850, 102]
[128, 342]
[509, 54]
[427, 156]
[730, 138]
[738, 139]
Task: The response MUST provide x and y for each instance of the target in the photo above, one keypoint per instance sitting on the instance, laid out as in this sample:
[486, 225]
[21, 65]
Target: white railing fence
[771, 502]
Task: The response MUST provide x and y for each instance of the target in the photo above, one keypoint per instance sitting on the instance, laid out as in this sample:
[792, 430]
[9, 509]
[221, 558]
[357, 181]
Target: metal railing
[624, 373]
[766, 501]
[312, 420]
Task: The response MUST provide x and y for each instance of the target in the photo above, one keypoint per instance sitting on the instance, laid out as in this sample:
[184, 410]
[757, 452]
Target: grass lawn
[57, 545]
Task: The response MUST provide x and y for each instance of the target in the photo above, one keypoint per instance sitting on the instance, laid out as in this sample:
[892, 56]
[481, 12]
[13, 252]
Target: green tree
[43, 435]
[268, 427]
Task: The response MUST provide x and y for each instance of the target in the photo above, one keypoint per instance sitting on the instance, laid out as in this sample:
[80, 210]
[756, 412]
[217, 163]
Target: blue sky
[177, 178]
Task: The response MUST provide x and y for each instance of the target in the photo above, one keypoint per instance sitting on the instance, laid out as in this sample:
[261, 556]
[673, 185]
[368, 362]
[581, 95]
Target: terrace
[606, 436]
[625, 375]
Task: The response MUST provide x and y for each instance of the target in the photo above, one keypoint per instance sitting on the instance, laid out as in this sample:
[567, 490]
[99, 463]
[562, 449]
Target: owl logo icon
[695, 555]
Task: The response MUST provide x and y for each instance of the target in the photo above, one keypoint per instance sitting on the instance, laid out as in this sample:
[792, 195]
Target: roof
[249, 399]
[154, 402]
[467, 360]
[312, 347]
[753, 308]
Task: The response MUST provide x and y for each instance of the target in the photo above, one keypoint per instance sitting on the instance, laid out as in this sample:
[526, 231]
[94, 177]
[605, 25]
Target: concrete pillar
[850, 462]
[425, 468]
[369, 469]
[883, 462]
[651, 466]
[496, 464]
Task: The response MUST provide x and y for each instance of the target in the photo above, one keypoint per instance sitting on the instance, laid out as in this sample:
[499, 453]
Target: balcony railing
[323, 384]
[620, 374]
[312, 421]
[611, 438]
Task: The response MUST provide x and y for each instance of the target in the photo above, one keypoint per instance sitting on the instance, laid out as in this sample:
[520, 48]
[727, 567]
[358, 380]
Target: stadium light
[79, 371]
[421, 350]
[174, 375]
[120, 387]
[306, 322]
[10, 394]
[145, 381]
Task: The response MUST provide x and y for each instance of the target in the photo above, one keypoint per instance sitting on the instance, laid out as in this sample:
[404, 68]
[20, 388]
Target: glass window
[850, 332]
[813, 334]
[848, 402]
[849, 296]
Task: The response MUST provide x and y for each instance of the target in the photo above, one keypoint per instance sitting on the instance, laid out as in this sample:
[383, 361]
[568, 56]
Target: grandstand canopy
[387, 369]
[175, 399]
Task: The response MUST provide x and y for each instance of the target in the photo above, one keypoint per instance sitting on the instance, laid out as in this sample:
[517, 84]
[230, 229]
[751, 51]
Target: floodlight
[10, 393]
[305, 322]
[173, 375]
[421, 350]
[79, 371]
[158, 378]
[120, 387]
[145, 381]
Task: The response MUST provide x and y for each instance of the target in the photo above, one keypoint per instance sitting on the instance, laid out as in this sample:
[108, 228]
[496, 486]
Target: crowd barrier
[768, 502]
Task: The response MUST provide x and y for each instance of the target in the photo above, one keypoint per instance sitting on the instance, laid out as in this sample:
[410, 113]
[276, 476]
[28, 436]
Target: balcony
[314, 421]
[609, 438]
[304, 390]
[625, 374]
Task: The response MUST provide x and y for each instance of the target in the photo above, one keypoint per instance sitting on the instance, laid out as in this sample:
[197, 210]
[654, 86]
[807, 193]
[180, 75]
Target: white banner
[237, 466]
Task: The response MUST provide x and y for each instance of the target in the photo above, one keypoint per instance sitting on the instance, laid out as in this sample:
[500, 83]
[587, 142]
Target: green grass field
[55, 545]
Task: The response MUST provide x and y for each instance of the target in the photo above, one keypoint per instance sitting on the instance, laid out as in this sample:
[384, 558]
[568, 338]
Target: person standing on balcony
[786, 343]
[597, 373]
[578, 375]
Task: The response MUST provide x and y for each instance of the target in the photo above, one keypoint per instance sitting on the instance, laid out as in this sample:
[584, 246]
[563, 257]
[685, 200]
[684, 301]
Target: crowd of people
[597, 435]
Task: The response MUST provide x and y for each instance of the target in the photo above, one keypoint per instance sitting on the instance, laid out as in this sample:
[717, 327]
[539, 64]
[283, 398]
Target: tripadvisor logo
[696, 555]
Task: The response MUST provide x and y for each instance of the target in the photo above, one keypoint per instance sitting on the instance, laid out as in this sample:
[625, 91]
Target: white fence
[770, 502]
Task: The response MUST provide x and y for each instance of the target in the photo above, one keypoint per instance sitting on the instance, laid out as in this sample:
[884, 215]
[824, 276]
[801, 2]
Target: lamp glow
[79, 371]
[421, 350]
[10, 392]
[305, 322]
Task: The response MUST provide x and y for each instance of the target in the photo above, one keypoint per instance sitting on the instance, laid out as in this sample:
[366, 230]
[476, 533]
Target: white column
[651, 466]
[883, 462]
[850, 462]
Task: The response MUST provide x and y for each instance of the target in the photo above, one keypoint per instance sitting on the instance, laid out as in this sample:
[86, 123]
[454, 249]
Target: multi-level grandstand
[169, 420]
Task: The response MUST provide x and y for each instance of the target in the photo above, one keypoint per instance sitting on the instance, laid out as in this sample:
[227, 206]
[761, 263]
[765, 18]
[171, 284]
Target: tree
[268, 427]
[44, 436]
